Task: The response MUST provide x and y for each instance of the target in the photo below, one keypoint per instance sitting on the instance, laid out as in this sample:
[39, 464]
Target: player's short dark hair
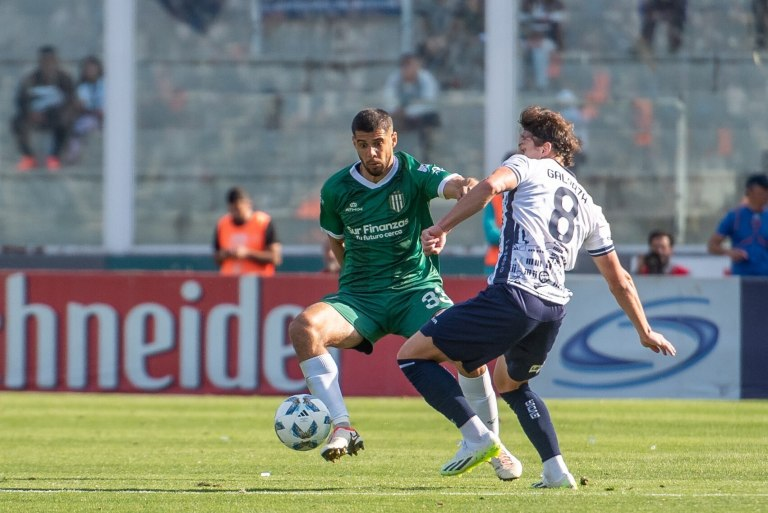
[236, 194]
[547, 125]
[370, 120]
[661, 233]
[759, 179]
[46, 50]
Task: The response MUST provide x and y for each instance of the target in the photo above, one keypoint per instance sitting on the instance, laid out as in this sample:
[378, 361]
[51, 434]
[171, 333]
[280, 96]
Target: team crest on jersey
[397, 201]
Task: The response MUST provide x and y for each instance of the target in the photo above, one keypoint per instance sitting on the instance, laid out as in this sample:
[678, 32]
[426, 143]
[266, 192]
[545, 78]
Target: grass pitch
[154, 453]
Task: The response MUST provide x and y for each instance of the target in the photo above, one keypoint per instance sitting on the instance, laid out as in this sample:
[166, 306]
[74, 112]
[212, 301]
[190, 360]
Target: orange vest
[492, 255]
[251, 234]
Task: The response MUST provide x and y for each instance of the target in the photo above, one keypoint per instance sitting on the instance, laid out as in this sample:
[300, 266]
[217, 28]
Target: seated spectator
[658, 260]
[245, 241]
[410, 95]
[45, 100]
[671, 12]
[90, 105]
[541, 31]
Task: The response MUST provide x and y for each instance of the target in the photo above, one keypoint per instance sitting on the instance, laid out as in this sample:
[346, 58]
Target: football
[302, 422]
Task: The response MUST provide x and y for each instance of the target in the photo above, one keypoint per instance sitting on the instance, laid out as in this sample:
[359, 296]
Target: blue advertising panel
[598, 352]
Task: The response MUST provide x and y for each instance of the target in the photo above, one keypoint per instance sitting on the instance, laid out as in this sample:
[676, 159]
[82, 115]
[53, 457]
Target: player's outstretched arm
[502, 179]
[623, 289]
[457, 187]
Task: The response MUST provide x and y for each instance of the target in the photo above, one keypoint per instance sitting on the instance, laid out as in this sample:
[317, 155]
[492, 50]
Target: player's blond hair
[550, 126]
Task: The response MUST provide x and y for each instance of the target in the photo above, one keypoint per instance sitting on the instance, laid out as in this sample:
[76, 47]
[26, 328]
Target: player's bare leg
[312, 333]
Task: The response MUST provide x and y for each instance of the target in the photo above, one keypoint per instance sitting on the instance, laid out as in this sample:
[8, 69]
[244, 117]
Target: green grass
[154, 453]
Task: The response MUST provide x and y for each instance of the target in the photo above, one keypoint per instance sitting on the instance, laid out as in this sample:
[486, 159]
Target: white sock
[474, 430]
[322, 376]
[482, 398]
[554, 468]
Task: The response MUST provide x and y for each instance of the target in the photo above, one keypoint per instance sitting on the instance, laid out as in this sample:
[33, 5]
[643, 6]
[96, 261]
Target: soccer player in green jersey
[373, 212]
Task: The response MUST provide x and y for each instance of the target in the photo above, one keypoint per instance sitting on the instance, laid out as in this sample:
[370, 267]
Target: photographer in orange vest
[245, 241]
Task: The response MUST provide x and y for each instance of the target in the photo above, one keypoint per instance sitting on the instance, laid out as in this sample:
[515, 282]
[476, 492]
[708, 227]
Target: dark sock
[534, 419]
[439, 388]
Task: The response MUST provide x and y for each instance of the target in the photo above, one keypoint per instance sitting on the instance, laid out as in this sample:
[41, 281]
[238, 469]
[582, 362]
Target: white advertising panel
[598, 352]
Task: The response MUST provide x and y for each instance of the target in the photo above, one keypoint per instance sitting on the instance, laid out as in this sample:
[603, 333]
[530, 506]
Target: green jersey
[381, 224]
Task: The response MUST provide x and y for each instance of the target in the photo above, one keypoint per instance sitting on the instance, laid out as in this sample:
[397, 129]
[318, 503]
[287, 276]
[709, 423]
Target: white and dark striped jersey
[547, 219]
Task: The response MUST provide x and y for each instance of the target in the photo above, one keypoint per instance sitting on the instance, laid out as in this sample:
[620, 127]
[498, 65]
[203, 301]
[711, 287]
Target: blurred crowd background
[260, 94]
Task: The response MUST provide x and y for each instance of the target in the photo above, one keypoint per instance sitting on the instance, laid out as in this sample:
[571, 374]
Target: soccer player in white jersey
[548, 217]
[373, 212]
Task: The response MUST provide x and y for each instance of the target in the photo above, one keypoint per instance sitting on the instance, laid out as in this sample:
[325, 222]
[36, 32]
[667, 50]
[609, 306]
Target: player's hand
[241, 252]
[738, 254]
[466, 186]
[658, 344]
[433, 240]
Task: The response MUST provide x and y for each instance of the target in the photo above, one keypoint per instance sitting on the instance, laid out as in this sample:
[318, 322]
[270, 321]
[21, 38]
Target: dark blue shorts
[501, 320]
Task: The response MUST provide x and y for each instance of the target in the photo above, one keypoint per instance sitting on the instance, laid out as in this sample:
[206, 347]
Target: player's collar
[355, 173]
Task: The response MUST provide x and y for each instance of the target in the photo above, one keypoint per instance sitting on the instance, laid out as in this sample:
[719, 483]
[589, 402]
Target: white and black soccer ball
[302, 422]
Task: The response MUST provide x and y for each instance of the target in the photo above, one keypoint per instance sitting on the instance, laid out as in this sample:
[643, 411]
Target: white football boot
[507, 467]
[566, 481]
[343, 440]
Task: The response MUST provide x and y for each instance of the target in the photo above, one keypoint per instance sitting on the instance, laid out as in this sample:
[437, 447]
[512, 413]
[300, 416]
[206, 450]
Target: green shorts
[383, 313]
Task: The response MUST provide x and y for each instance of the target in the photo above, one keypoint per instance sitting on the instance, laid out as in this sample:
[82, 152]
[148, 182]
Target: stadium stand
[273, 115]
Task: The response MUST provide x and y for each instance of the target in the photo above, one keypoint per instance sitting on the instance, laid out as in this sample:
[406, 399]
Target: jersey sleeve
[330, 221]
[519, 165]
[431, 178]
[725, 228]
[599, 240]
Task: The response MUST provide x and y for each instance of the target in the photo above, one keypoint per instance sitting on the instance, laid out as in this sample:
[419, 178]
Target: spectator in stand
[466, 47]
[671, 12]
[658, 260]
[90, 105]
[747, 228]
[410, 95]
[435, 20]
[245, 241]
[45, 100]
[472, 15]
[542, 34]
[760, 14]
